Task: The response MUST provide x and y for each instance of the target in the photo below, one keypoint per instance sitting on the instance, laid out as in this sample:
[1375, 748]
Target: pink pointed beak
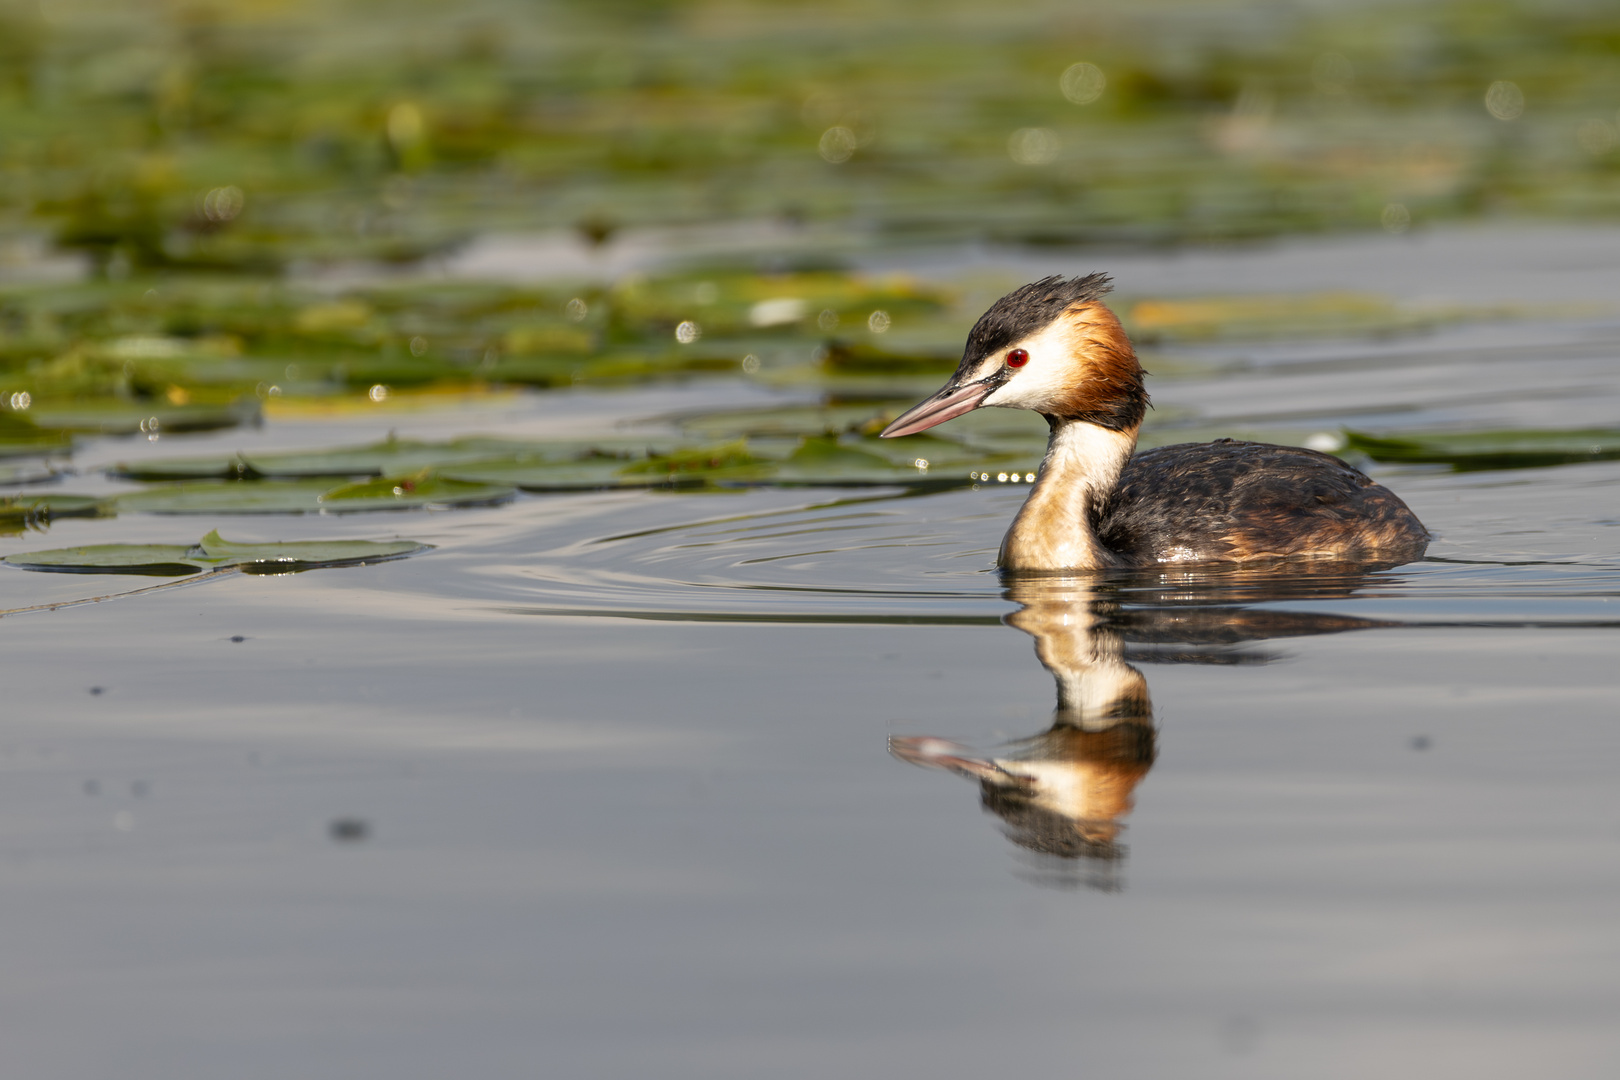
[943, 406]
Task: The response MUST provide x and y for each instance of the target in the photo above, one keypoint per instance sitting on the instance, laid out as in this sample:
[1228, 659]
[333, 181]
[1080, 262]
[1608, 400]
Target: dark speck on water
[347, 830]
[237, 639]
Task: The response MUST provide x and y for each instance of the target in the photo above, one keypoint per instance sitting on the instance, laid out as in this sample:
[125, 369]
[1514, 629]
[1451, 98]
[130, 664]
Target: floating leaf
[538, 474]
[791, 420]
[32, 472]
[53, 505]
[389, 456]
[942, 453]
[228, 497]
[732, 458]
[214, 552]
[823, 460]
[302, 554]
[1467, 451]
[162, 560]
[119, 418]
[19, 512]
[20, 436]
[420, 489]
[211, 468]
[393, 457]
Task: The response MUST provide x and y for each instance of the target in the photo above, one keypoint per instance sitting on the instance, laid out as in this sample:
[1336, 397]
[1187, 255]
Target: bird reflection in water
[1062, 795]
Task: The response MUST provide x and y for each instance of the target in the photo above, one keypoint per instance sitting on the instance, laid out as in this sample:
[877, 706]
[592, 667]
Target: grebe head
[1052, 347]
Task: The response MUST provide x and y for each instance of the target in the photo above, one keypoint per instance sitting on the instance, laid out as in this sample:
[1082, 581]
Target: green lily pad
[695, 460]
[792, 420]
[311, 496]
[302, 554]
[727, 463]
[20, 436]
[53, 505]
[120, 418]
[420, 489]
[821, 459]
[161, 560]
[32, 472]
[397, 456]
[209, 468]
[392, 457]
[20, 512]
[847, 461]
[941, 453]
[1469, 451]
[538, 474]
[213, 552]
[228, 497]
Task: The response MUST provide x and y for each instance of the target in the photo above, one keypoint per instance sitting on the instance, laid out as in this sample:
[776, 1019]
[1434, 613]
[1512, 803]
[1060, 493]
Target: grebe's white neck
[1081, 469]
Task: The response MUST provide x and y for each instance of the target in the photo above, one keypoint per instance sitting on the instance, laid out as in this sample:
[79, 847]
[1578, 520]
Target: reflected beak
[932, 753]
[949, 403]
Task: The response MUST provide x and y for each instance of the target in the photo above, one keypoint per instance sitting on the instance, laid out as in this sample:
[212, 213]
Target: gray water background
[621, 757]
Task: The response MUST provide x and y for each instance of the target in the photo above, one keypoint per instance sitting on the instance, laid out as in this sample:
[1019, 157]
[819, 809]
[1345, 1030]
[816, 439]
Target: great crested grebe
[1054, 347]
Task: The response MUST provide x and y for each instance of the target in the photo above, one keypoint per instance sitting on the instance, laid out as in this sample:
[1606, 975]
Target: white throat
[1053, 530]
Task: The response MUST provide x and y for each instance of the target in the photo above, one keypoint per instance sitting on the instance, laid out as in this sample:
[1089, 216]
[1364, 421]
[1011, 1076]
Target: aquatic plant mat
[224, 140]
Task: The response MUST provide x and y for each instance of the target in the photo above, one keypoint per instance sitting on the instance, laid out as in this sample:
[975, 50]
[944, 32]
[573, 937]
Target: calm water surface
[638, 774]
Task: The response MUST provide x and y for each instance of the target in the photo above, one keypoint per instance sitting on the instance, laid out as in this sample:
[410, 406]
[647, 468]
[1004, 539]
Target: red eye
[1017, 358]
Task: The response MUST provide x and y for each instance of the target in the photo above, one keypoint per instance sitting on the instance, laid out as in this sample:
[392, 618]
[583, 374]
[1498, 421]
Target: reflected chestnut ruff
[1063, 794]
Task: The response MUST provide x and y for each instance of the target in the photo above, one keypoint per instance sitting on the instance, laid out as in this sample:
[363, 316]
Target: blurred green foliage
[255, 134]
[218, 164]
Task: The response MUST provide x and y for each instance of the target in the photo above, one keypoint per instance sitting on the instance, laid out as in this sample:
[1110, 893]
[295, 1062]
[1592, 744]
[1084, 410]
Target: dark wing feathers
[1231, 500]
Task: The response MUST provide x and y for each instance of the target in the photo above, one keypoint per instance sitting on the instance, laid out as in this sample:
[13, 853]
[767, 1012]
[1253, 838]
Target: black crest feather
[1027, 310]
